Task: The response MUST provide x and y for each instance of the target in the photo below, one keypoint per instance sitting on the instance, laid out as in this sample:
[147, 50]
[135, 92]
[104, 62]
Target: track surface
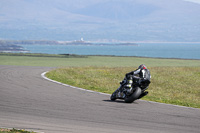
[27, 101]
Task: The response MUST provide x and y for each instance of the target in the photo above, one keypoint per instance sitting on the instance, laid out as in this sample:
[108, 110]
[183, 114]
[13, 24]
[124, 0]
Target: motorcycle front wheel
[113, 96]
[134, 96]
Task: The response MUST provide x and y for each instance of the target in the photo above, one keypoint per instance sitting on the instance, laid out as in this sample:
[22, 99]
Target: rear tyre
[134, 96]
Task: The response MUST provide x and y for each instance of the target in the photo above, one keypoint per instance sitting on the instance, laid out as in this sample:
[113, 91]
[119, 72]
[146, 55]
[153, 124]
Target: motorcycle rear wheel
[134, 96]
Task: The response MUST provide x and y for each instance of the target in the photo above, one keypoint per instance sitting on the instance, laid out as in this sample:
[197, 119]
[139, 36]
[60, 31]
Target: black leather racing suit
[137, 76]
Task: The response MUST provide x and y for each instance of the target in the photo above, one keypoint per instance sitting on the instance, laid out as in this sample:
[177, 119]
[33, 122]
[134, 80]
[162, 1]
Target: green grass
[2, 130]
[99, 61]
[173, 85]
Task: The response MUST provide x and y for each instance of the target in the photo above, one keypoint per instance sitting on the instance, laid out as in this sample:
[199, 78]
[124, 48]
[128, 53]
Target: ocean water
[160, 50]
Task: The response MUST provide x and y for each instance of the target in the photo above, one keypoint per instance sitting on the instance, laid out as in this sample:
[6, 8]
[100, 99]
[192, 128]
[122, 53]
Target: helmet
[142, 67]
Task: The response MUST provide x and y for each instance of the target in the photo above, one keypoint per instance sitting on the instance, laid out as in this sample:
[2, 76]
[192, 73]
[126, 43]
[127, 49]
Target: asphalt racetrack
[28, 101]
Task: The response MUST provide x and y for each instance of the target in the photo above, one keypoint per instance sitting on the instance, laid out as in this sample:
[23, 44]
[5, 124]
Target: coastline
[167, 50]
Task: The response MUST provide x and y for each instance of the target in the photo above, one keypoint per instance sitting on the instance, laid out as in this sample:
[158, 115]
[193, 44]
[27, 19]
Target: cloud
[194, 1]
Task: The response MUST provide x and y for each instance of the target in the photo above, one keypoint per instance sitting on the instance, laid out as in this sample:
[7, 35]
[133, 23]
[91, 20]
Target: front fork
[121, 92]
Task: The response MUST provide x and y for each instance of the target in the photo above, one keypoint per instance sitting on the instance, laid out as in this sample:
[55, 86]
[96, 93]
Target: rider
[142, 74]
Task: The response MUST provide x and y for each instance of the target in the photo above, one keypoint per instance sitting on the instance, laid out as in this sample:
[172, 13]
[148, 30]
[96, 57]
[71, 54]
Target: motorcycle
[138, 90]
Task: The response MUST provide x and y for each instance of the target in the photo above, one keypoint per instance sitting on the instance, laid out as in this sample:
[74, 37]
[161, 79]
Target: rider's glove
[128, 75]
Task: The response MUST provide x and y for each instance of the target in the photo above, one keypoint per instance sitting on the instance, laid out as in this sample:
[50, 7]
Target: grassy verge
[173, 85]
[2, 130]
[98, 61]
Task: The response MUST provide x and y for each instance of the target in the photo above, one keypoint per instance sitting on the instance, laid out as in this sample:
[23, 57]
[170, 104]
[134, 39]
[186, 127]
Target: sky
[195, 1]
[129, 20]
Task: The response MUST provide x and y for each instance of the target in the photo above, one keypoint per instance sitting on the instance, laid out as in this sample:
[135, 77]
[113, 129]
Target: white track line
[43, 76]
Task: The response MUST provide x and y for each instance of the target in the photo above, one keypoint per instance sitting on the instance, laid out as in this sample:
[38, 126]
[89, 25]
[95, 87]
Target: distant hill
[124, 20]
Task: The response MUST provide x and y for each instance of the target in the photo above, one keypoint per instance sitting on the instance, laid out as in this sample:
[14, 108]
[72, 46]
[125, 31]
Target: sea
[155, 50]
